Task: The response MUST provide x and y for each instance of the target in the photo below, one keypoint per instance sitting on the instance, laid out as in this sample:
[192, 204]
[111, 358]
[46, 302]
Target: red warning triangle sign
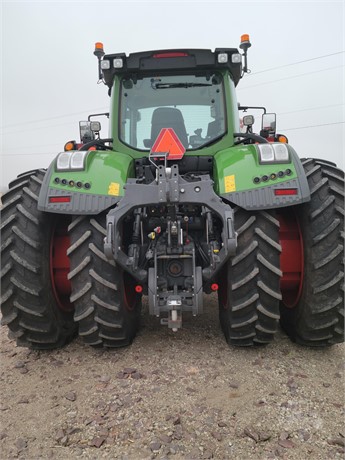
[167, 141]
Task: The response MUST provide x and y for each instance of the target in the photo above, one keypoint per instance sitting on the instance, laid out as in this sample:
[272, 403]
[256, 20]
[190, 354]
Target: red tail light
[59, 199]
[285, 191]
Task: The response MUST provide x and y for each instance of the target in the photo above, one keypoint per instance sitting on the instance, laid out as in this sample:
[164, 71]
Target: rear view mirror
[86, 133]
[269, 123]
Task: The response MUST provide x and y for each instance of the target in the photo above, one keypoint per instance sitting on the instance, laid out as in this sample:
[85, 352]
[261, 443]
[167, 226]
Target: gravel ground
[180, 396]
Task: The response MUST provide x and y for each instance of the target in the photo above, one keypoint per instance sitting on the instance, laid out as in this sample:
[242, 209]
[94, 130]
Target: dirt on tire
[181, 396]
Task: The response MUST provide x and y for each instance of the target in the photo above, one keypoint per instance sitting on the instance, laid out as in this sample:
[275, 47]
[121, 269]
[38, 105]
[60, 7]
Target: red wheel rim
[291, 259]
[60, 266]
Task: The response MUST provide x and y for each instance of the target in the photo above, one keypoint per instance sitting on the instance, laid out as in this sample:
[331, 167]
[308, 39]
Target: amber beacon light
[245, 45]
[99, 49]
[99, 52]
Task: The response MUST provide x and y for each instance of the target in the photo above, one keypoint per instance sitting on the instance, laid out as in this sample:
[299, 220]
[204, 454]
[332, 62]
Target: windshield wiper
[178, 85]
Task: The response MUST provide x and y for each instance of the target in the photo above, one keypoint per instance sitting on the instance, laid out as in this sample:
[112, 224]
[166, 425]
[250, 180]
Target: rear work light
[170, 55]
[59, 199]
[222, 58]
[118, 63]
[236, 58]
[105, 64]
[285, 191]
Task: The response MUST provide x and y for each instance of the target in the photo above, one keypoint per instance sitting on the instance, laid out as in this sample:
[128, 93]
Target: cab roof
[172, 60]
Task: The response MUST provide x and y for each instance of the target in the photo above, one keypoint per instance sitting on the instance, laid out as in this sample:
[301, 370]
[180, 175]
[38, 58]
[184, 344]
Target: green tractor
[178, 202]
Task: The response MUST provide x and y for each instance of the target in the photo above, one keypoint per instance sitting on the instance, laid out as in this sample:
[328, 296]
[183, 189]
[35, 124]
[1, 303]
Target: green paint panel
[106, 172]
[242, 163]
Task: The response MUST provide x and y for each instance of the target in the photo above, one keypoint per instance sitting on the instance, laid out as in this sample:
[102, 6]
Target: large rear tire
[107, 307]
[35, 308]
[315, 317]
[249, 293]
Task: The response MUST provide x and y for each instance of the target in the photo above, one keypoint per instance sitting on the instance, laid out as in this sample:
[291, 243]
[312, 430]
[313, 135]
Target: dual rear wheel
[289, 266]
[55, 279]
[34, 288]
[312, 312]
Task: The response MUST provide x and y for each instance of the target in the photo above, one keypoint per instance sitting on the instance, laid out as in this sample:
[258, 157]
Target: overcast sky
[49, 72]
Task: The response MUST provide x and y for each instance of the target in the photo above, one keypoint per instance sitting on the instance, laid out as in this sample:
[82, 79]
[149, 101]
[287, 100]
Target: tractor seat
[215, 128]
[167, 117]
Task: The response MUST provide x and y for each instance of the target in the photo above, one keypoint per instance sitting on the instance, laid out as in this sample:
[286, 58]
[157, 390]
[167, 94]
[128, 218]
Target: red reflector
[214, 287]
[285, 191]
[138, 288]
[169, 55]
[59, 199]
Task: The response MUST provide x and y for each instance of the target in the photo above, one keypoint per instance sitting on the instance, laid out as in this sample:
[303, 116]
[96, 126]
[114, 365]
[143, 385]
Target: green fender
[240, 179]
[97, 187]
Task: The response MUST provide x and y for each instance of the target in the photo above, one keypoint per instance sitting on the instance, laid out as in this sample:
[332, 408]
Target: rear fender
[92, 190]
[241, 180]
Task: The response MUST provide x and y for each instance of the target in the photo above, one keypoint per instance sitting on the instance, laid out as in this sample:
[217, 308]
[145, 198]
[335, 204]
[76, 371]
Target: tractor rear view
[176, 203]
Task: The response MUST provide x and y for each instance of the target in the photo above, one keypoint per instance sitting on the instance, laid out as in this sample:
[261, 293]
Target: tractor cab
[191, 91]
